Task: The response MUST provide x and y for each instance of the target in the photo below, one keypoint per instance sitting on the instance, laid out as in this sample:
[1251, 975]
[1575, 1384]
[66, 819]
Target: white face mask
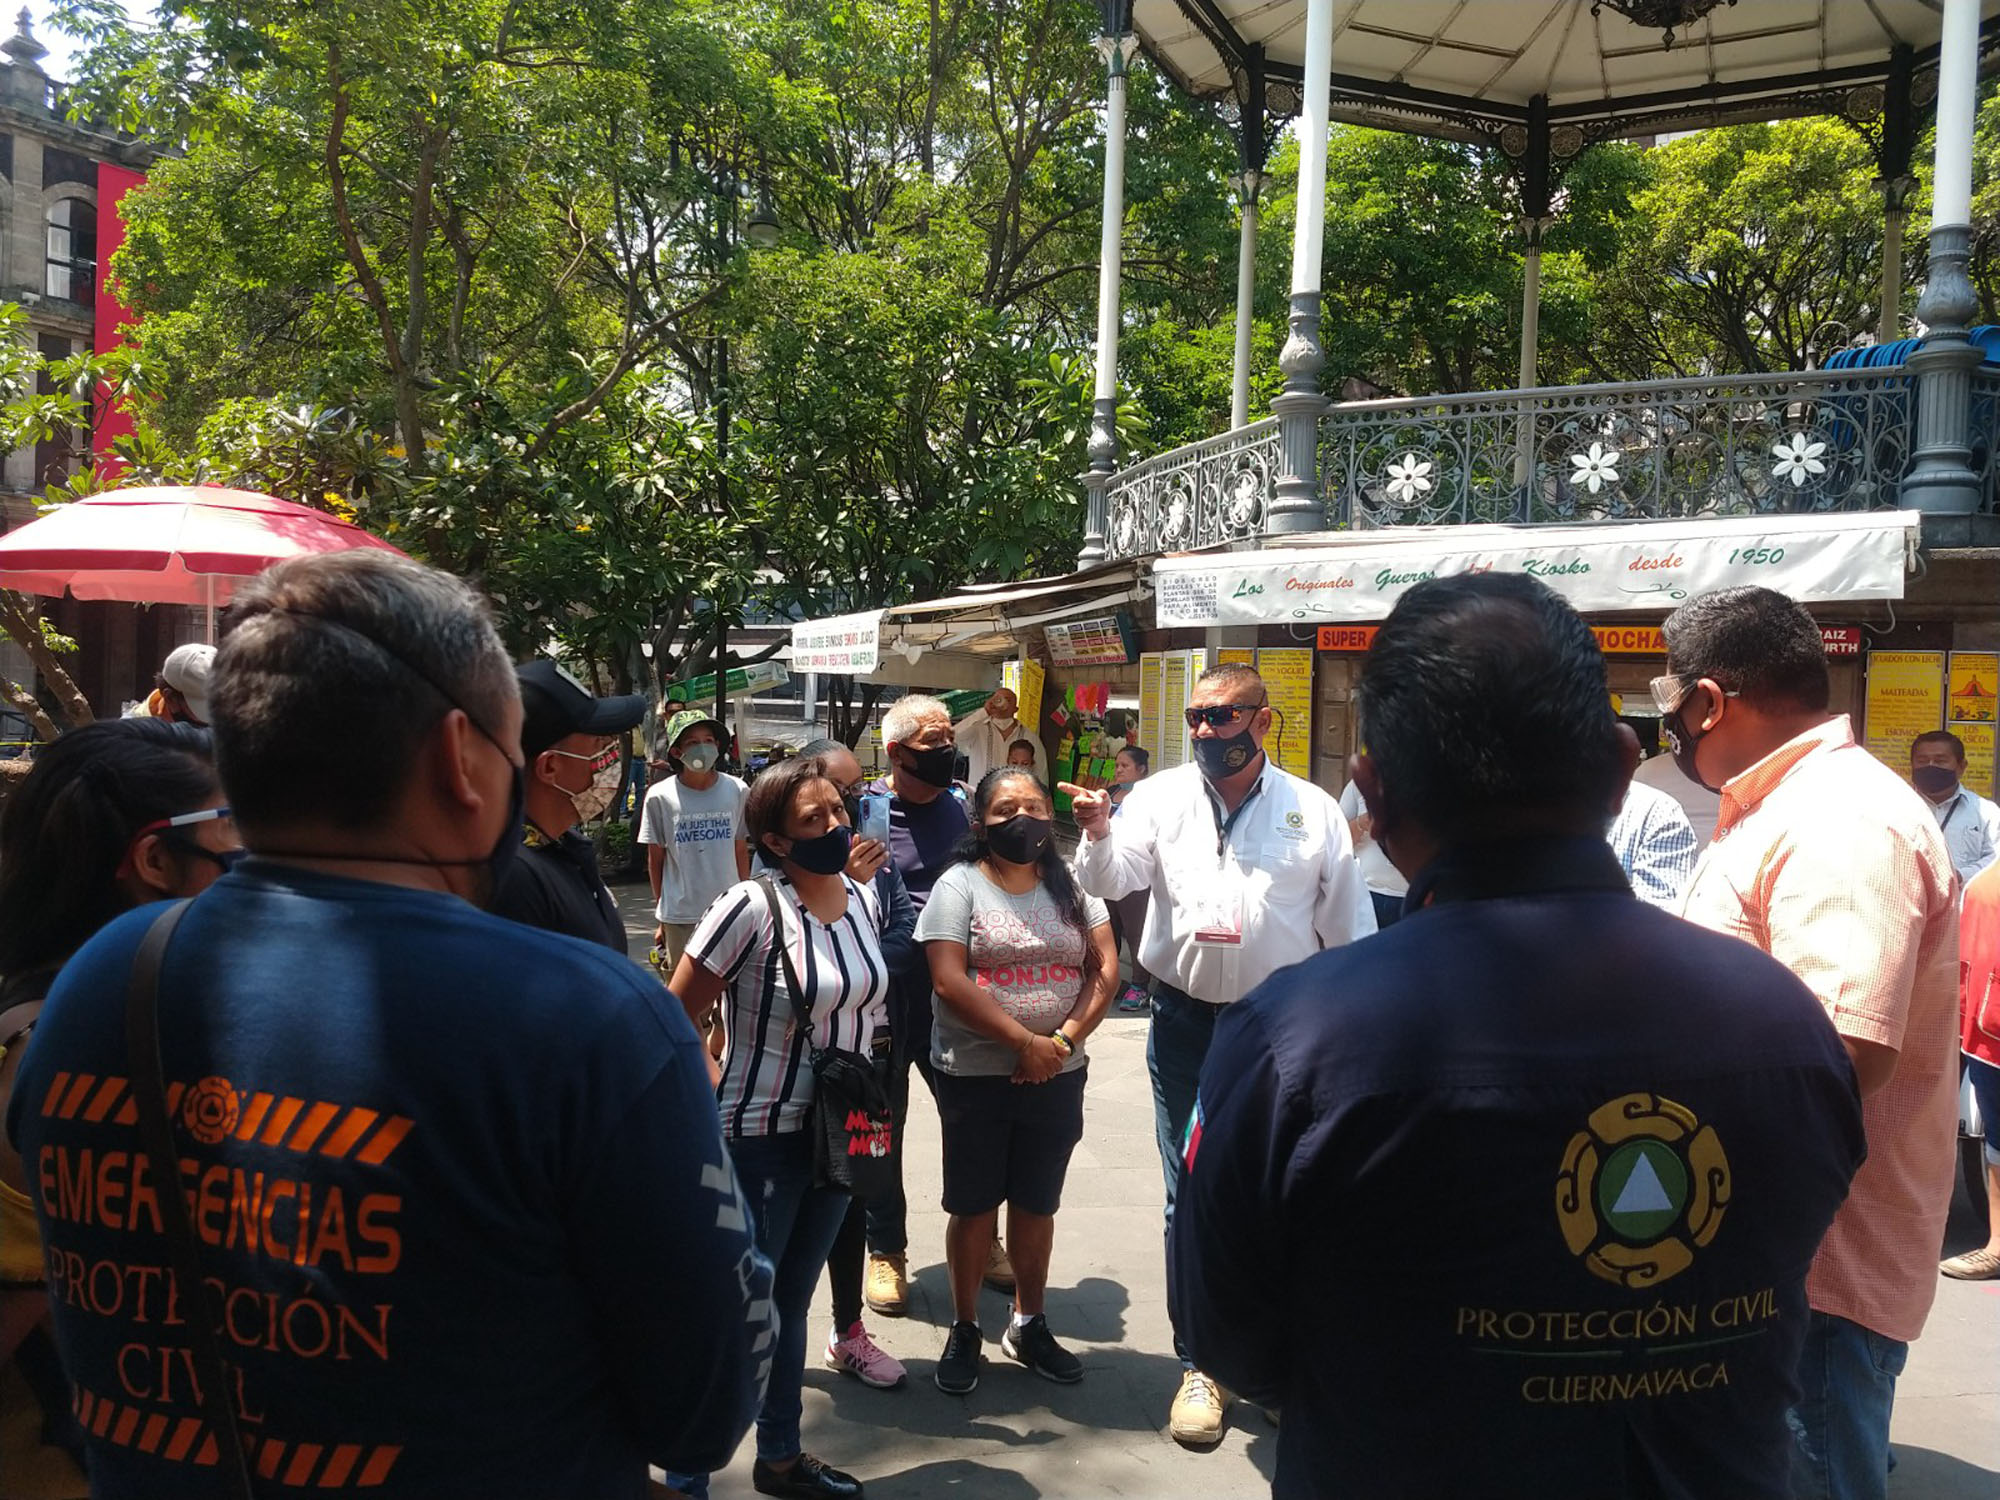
[604, 783]
[700, 758]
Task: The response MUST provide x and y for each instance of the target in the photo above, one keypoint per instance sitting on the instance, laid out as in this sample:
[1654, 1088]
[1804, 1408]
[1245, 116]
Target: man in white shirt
[693, 829]
[1386, 884]
[1655, 845]
[1971, 824]
[1250, 869]
[983, 737]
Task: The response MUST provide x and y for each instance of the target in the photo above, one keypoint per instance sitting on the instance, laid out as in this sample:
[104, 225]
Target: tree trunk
[26, 704]
[21, 618]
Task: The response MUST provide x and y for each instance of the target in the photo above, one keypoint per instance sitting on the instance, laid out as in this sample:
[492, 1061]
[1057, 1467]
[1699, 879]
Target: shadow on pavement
[954, 1476]
[1922, 1474]
[1119, 1392]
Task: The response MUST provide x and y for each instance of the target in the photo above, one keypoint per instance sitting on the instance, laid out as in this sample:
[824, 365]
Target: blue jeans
[796, 1224]
[1847, 1380]
[1176, 1046]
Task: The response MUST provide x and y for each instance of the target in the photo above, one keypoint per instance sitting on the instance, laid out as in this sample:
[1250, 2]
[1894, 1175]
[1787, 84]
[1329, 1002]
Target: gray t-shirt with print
[1019, 949]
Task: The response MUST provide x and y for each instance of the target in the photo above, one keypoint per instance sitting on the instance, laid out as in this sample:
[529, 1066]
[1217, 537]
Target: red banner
[113, 318]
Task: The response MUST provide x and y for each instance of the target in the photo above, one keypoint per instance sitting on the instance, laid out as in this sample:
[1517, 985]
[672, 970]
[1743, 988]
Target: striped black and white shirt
[767, 1081]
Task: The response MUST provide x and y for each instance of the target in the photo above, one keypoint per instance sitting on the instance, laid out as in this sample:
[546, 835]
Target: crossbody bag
[852, 1125]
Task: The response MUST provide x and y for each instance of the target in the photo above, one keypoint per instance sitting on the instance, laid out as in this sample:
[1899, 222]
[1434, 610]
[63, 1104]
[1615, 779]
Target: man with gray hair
[927, 818]
[460, 1218]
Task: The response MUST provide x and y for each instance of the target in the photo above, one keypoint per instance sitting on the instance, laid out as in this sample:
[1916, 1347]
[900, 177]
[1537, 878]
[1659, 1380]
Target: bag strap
[799, 1006]
[149, 1096]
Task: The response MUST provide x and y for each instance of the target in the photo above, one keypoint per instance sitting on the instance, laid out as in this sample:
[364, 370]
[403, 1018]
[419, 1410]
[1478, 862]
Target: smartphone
[874, 817]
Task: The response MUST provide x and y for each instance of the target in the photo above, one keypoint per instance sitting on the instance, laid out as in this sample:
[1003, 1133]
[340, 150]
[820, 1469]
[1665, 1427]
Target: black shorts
[1007, 1142]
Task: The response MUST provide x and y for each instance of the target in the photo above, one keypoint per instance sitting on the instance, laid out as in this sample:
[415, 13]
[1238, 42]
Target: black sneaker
[1035, 1347]
[958, 1366]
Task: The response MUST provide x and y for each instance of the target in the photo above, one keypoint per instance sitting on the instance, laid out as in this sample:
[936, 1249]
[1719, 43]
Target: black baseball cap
[554, 705]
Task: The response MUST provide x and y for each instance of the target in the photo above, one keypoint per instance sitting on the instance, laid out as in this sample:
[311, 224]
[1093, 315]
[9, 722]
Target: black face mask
[1933, 781]
[825, 855]
[1681, 740]
[1021, 839]
[1221, 759]
[934, 766]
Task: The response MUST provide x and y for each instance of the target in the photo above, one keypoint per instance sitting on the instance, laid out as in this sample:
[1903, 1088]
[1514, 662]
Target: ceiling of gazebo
[1468, 68]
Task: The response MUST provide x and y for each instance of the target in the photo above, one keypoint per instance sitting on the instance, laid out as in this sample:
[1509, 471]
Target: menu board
[1171, 751]
[1905, 699]
[1147, 730]
[1088, 643]
[1288, 676]
[1978, 740]
[1970, 689]
[1244, 656]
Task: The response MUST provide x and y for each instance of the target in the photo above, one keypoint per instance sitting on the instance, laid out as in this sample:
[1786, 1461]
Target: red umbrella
[170, 544]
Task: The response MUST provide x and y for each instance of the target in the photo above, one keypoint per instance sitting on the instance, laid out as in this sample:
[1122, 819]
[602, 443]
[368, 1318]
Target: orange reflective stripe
[56, 1087]
[105, 1410]
[317, 1119]
[380, 1462]
[281, 1121]
[351, 1129]
[156, 1428]
[385, 1140]
[268, 1457]
[253, 1116]
[128, 1420]
[107, 1095]
[208, 1453]
[184, 1436]
[73, 1100]
[304, 1456]
[340, 1466]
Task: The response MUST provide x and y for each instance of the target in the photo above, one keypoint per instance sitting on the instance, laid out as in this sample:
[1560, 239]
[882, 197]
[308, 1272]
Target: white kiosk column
[1298, 506]
[1116, 47]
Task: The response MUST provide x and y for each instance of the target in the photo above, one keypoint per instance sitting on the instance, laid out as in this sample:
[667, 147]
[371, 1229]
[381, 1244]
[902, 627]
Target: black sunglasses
[1221, 715]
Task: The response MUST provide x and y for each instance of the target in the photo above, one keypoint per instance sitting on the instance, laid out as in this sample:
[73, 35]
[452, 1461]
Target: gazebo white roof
[1468, 68]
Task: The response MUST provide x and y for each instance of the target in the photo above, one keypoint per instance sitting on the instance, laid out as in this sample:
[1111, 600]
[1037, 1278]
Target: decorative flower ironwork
[1409, 479]
[1594, 468]
[1798, 459]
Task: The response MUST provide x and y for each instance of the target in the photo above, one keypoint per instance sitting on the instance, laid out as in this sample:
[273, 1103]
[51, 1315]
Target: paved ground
[1018, 1437]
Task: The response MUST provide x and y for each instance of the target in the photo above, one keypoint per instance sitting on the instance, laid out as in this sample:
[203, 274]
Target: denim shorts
[1008, 1142]
[1986, 1089]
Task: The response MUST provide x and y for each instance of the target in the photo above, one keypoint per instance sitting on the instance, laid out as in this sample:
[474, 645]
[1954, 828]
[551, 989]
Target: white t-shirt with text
[699, 830]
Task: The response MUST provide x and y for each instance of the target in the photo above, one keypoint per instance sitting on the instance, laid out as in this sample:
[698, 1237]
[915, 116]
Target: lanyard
[1225, 826]
[1958, 797]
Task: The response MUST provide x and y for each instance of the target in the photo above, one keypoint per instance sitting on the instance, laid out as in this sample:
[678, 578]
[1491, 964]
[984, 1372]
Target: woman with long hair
[831, 924]
[112, 816]
[1023, 966]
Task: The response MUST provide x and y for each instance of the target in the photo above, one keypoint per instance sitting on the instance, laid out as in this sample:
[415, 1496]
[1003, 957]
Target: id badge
[1220, 918]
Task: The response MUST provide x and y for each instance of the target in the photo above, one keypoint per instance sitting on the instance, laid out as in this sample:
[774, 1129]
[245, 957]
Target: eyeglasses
[1220, 715]
[184, 820]
[169, 831]
[1669, 690]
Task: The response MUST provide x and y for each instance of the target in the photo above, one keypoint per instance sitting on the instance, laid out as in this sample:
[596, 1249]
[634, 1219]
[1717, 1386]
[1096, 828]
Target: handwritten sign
[1147, 731]
[1288, 676]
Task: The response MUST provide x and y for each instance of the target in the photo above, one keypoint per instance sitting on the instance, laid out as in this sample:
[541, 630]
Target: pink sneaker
[858, 1355]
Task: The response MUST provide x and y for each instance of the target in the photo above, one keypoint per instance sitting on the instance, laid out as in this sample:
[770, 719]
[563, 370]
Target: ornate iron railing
[1721, 445]
[1827, 440]
[1217, 490]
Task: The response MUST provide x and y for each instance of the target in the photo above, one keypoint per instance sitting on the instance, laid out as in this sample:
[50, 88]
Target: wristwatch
[1061, 1039]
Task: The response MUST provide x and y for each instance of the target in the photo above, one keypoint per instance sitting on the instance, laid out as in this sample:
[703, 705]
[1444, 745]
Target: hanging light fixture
[762, 225]
[1669, 15]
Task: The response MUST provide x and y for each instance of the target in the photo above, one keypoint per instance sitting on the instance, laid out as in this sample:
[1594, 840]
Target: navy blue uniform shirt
[461, 1195]
[1517, 1198]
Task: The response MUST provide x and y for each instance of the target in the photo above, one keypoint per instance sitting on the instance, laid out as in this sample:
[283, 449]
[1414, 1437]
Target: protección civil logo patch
[1641, 1189]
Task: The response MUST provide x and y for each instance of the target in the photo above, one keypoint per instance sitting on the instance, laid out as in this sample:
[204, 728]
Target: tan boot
[887, 1286]
[1196, 1417]
[999, 1269]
